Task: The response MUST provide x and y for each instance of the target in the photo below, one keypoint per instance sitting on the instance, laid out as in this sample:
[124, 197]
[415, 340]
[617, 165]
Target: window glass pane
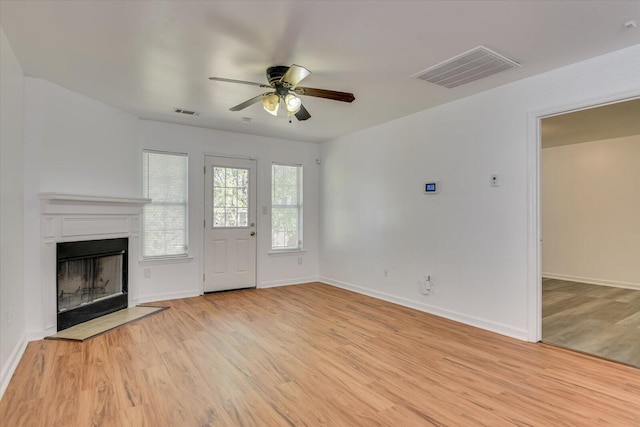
[285, 227]
[243, 188]
[164, 230]
[165, 218]
[166, 177]
[230, 197]
[218, 177]
[218, 217]
[243, 198]
[243, 215]
[289, 195]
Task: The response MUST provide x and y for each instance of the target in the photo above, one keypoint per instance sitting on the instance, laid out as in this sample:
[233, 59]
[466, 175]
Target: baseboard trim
[12, 363]
[520, 334]
[278, 283]
[39, 335]
[168, 296]
[591, 281]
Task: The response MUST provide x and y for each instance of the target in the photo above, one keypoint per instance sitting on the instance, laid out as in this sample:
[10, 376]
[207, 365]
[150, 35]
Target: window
[286, 207]
[165, 218]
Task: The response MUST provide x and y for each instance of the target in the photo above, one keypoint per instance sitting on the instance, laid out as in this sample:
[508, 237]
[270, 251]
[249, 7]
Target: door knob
[253, 233]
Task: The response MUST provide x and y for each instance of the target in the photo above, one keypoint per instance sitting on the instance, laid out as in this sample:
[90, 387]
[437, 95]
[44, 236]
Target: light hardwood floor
[311, 355]
[599, 320]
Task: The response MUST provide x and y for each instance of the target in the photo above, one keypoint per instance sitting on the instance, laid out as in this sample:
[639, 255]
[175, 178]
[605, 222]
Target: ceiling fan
[283, 80]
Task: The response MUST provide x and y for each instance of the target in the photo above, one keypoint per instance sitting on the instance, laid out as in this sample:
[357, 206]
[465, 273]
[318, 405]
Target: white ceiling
[148, 57]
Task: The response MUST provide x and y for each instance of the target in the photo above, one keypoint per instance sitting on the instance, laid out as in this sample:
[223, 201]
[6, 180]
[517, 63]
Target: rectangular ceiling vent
[187, 112]
[467, 67]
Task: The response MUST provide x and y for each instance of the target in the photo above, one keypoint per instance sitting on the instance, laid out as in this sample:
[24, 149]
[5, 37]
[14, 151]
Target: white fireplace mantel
[75, 217]
[62, 203]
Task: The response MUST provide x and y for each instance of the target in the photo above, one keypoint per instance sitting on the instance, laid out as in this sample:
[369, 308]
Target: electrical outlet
[386, 272]
[426, 285]
[422, 287]
[299, 260]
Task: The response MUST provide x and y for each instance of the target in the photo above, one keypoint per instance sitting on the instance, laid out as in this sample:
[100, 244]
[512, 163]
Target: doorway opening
[589, 210]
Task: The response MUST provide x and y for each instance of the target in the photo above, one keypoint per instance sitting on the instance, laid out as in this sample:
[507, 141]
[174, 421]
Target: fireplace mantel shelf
[70, 198]
[78, 204]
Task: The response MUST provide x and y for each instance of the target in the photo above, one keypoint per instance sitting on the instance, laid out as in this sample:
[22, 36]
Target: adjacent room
[317, 212]
[590, 208]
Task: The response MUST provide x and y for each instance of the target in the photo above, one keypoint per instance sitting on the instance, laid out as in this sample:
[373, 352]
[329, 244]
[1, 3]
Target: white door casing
[230, 223]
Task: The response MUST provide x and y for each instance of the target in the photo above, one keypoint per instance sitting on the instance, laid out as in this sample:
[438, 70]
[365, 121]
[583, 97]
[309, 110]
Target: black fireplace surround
[91, 279]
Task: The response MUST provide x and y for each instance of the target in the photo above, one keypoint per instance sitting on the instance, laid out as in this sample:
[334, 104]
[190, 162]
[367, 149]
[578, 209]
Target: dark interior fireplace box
[91, 279]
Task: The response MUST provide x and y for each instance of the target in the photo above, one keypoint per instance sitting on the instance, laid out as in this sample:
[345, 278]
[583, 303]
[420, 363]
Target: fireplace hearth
[91, 279]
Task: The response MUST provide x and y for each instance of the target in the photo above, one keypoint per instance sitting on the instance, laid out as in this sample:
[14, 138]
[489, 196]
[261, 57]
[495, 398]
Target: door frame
[534, 225]
[203, 244]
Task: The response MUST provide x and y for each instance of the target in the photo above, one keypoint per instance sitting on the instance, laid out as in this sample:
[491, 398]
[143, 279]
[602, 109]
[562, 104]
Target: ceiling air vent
[467, 67]
[187, 112]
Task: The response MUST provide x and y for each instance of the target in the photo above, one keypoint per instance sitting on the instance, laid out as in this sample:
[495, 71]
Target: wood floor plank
[312, 355]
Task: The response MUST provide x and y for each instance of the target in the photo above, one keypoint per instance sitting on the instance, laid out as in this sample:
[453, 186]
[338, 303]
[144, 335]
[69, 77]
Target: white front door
[230, 224]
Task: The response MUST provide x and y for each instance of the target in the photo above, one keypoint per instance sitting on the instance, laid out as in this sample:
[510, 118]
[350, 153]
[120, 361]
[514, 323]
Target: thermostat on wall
[432, 187]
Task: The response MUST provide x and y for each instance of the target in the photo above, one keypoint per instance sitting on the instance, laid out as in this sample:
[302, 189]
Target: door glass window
[230, 197]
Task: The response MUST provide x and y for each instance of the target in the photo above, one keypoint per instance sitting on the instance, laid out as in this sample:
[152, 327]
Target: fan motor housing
[275, 73]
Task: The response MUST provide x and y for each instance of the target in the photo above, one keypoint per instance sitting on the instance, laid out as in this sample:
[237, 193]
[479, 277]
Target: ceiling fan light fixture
[271, 103]
[292, 103]
[283, 83]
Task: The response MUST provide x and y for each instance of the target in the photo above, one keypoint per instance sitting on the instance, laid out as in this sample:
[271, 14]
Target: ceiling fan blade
[302, 114]
[325, 93]
[249, 102]
[221, 79]
[294, 75]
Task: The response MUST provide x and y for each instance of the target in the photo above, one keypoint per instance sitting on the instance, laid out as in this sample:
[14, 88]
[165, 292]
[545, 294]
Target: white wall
[590, 203]
[73, 144]
[12, 292]
[473, 239]
[185, 279]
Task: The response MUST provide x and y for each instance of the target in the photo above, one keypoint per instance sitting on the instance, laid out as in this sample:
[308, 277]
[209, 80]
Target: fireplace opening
[91, 279]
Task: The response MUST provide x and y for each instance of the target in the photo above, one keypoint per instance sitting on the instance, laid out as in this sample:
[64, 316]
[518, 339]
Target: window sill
[285, 252]
[166, 260]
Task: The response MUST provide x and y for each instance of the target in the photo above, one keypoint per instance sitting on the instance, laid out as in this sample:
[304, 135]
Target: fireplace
[77, 218]
[92, 279]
